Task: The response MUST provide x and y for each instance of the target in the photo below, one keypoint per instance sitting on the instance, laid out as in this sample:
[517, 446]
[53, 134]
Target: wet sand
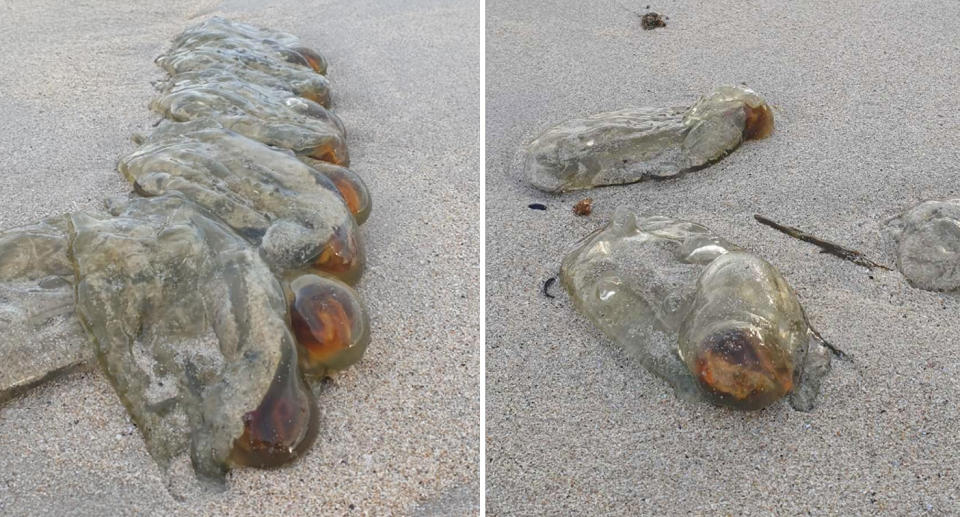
[864, 100]
[399, 431]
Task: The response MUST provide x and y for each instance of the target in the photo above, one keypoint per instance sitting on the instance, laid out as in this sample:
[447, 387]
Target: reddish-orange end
[758, 123]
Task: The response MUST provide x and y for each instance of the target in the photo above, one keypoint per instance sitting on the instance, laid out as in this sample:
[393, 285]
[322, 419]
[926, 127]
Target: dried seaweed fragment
[716, 322]
[583, 207]
[652, 21]
[825, 246]
[634, 144]
[927, 237]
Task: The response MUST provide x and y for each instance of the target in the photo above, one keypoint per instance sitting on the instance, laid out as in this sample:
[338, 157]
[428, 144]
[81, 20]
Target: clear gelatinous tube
[269, 116]
[928, 244]
[188, 322]
[312, 87]
[240, 48]
[265, 194]
[639, 143]
[745, 335]
[221, 33]
[283, 426]
[342, 256]
[715, 321]
[39, 331]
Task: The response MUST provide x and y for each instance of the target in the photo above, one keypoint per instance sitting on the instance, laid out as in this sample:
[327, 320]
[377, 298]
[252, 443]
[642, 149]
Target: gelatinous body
[267, 115]
[39, 330]
[329, 322]
[639, 143]
[220, 33]
[287, 208]
[745, 333]
[350, 186]
[282, 426]
[928, 244]
[713, 320]
[174, 290]
[248, 52]
[342, 256]
[187, 320]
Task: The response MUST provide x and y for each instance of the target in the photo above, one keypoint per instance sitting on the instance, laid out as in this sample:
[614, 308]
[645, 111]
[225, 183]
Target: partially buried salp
[718, 323]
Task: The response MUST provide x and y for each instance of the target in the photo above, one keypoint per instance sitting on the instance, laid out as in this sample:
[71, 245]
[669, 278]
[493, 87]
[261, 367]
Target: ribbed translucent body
[183, 291]
[715, 321]
[634, 144]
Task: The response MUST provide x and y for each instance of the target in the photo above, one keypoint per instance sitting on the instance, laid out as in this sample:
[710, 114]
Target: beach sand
[865, 98]
[400, 431]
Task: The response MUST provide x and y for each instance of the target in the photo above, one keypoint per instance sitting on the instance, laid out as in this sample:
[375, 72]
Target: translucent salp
[634, 144]
[716, 322]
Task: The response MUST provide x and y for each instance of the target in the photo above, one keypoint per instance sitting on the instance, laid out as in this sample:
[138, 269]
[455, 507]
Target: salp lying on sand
[715, 321]
[928, 244]
[634, 144]
[210, 292]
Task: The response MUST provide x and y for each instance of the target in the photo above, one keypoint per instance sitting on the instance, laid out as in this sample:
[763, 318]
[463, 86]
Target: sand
[867, 126]
[400, 430]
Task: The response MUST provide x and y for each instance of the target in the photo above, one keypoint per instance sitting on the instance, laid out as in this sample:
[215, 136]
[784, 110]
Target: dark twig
[826, 246]
[546, 287]
[829, 346]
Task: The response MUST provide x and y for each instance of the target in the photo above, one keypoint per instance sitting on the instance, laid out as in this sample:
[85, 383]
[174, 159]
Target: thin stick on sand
[826, 246]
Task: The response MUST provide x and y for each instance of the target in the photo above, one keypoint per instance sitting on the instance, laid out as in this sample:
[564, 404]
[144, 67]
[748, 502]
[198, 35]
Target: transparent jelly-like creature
[267, 115]
[713, 320]
[312, 87]
[40, 334]
[249, 53]
[928, 244]
[259, 83]
[175, 290]
[190, 325]
[634, 144]
[293, 212]
[222, 33]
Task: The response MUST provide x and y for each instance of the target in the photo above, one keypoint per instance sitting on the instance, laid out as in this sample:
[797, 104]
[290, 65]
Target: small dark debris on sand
[584, 206]
[651, 21]
[537, 206]
[546, 287]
